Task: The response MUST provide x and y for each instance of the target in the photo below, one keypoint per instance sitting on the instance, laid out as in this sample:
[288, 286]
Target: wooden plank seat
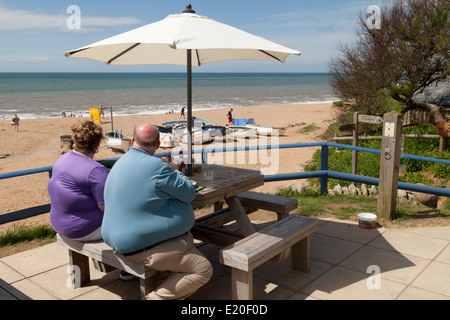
[252, 201]
[247, 254]
[209, 228]
[282, 206]
[105, 259]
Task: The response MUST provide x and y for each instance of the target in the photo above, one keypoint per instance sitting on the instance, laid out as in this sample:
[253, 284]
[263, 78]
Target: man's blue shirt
[146, 202]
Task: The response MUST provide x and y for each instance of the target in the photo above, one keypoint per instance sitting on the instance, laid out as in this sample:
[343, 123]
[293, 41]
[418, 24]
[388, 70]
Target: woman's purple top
[75, 189]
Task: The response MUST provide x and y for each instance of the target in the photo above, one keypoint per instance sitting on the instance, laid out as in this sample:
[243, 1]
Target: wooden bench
[282, 206]
[209, 228]
[105, 259]
[252, 251]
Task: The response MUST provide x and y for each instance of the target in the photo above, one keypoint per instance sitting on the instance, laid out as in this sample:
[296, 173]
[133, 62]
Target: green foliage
[347, 207]
[308, 129]
[408, 55]
[310, 202]
[426, 148]
[20, 234]
[369, 163]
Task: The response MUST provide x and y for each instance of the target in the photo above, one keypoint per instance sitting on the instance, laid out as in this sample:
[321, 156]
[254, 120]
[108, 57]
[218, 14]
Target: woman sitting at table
[76, 186]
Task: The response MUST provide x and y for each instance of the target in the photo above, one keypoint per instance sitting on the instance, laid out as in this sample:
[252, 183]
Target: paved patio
[414, 264]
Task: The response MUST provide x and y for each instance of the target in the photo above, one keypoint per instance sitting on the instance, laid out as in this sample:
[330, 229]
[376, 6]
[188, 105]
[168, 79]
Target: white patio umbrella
[183, 39]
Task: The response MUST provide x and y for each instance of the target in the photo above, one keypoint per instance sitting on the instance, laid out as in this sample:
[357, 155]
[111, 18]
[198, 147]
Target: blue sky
[34, 34]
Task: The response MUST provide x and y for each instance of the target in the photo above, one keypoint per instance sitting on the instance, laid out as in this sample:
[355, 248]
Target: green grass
[417, 171]
[19, 235]
[346, 207]
[308, 129]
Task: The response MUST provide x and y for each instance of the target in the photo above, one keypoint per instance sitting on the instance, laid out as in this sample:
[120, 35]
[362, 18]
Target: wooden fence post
[389, 164]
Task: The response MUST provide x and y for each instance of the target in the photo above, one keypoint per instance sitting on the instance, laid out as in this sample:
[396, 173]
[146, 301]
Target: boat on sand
[198, 134]
[116, 140]
[267, 131]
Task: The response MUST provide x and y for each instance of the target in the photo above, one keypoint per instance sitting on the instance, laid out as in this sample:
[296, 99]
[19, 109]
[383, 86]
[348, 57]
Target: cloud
[14, 20]
[23, 58]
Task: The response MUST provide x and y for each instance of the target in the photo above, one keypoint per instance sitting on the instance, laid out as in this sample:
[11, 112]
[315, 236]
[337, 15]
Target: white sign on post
[389, 129]
[370, 119]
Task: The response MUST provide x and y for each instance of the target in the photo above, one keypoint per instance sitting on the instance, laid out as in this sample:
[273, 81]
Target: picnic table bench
[247, 254]
[105, 259]
[209, 228]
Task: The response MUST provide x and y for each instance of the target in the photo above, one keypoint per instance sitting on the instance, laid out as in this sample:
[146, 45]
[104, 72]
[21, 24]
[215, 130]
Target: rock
[345, 190]
[411, 199]
[352, 190]
[428, 200]
[338, 189]
[402, 194]
[373, 190]
[364, 191]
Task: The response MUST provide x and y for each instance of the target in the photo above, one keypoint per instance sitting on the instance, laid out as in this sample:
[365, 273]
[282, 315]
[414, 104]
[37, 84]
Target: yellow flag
[95, 115]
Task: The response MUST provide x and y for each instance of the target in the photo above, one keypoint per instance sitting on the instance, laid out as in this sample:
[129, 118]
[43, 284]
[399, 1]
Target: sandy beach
[37, 145]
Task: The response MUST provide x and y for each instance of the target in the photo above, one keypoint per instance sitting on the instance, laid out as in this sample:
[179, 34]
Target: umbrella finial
[188, 9]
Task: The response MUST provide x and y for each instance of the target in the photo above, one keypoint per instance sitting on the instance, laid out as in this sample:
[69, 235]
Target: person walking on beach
[15, 123]
[148, 217]
[230, 117]
[182, 113]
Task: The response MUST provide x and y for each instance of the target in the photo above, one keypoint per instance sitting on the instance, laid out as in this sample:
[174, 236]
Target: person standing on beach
[148, 217]
[15, 123]
[182, 113]
[230, 117]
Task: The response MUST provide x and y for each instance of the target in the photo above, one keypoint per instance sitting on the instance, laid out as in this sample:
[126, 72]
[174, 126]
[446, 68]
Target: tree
[397, 59]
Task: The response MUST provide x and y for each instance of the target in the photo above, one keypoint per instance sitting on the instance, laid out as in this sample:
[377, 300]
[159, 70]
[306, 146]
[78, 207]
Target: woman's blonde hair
[87, 136]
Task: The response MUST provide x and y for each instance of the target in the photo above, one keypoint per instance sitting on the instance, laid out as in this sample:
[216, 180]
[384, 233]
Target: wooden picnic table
[227, 184]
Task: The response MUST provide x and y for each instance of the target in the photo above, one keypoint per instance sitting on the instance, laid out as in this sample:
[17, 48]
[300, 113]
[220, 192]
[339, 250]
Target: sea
[47, 95]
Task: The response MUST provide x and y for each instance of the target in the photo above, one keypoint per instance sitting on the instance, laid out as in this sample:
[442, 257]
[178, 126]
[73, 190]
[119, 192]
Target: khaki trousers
[188, 268]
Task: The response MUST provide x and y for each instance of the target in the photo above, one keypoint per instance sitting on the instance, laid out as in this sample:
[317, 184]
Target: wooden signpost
[389, 164]
[357, 118]
[370, 119]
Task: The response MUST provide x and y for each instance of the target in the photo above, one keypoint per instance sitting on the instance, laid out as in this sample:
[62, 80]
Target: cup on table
[208, 176]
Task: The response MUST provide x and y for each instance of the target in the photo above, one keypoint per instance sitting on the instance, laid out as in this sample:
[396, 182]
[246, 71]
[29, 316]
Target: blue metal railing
[324, 174]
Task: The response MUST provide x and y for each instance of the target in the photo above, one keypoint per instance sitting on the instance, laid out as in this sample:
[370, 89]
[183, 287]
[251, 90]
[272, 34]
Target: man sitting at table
[148, 217]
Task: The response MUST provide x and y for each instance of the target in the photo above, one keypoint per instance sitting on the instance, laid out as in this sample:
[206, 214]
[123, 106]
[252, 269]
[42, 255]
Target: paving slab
[331, 249]
[344, 284]
[32, 262]
[414, 264]
[444, 256]
[409, 243]
[435, 278]
[348, 230]
[392, 265]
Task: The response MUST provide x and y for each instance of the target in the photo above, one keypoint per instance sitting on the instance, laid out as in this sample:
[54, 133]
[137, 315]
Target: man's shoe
[126, 276]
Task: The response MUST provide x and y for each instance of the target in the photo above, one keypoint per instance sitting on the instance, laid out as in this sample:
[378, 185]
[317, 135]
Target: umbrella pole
[189, 110]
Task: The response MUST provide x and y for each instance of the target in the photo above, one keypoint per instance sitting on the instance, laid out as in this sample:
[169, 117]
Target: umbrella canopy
[166, 42]
[183, 39]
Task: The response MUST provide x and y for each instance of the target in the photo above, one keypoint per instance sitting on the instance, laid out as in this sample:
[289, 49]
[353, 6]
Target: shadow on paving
[347, 262]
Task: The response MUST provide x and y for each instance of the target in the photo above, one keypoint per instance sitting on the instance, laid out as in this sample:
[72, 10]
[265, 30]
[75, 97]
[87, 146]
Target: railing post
[324, 166]
[204, 157]
[355, 143]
